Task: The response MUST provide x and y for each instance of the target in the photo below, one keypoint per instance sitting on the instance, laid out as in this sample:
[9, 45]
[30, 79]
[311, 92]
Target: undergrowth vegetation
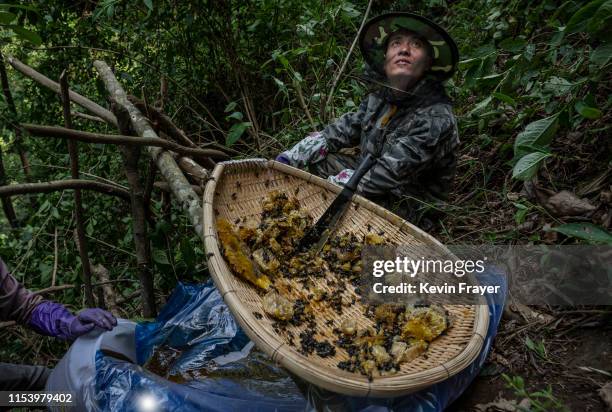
[532, 95]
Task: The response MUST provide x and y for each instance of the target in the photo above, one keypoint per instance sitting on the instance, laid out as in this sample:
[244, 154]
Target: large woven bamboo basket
[236, 191]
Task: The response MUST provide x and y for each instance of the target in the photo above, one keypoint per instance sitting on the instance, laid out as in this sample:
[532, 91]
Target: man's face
[406, 57]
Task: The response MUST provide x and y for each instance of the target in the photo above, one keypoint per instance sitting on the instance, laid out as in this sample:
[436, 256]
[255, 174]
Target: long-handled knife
[326, 225]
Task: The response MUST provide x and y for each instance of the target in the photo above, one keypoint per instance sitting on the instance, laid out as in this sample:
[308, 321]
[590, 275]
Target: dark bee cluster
[399, 333]
[309, 345]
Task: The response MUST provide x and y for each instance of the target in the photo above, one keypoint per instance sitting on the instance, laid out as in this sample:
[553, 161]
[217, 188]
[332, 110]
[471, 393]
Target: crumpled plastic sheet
[196, 320]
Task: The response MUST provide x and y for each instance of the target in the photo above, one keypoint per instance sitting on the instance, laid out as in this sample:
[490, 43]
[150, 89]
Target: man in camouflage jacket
[408, 125]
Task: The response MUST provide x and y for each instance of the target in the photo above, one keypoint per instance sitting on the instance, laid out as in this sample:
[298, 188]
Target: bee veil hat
[374, 36]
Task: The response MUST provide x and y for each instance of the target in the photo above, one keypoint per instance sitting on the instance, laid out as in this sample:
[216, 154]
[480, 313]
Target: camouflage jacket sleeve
[346, 130]
[429, 138]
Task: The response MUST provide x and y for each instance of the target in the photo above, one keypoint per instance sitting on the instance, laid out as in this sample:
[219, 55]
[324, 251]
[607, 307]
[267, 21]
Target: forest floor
[568, 348]
[574, 366]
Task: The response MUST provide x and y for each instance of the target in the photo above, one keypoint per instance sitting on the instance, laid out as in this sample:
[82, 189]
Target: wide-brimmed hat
[373, 40]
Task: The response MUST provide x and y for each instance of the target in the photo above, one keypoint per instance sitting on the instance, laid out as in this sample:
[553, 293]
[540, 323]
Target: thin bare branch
[73, 152]
[54, 86]
[346, 59]
[88, 137]
[55, 185]
[87, 117]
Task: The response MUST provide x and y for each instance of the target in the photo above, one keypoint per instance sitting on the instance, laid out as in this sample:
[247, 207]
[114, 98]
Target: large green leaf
[236, 116]
[481, 106]
[578, 22]
[513, 45]
[235, 132]
[159, 256]
[601, 18]
[557, 86]
[601, 55]
[538, 133]
[586, 231]
[26, 34]
[504, 98]
[587, 111]
[6, 17]
[528, 165]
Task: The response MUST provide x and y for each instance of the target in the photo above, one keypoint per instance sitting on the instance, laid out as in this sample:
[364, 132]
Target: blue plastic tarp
[196, 321]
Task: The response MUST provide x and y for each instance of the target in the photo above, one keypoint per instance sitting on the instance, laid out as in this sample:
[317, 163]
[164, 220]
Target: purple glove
[53, 319]
[281, 158]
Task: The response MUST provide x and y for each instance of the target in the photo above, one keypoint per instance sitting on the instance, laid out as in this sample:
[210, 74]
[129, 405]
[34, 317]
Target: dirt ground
[574, 341]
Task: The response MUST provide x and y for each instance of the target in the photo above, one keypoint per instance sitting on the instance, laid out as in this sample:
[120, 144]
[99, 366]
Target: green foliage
[12, 17]
[587, 231]
[538, 348]
[245, 74]
[540, 401]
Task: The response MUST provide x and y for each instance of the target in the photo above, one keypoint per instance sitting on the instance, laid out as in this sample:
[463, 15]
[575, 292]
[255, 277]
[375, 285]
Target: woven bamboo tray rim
[236, 189]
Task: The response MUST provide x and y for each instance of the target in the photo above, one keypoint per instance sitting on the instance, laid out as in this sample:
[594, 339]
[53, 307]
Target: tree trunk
[78, 206]
[139, 224]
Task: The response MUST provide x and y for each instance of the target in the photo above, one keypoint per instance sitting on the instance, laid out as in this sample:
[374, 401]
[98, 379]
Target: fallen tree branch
[88, 137]
[181, 189]
[82, 101]
[87, 117]
[55, 185]
[52, 289]
[193, 169]
[164, 187]
[93, 107]
[107, 289]
[162, 120]
[168, 126]
[206, 162]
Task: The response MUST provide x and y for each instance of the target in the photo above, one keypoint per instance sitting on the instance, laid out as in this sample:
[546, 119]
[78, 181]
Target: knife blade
[326, 225]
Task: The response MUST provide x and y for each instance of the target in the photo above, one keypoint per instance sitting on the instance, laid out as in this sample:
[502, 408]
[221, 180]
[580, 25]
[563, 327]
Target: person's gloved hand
[53, 319]
[94, 316]
[281, 158]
